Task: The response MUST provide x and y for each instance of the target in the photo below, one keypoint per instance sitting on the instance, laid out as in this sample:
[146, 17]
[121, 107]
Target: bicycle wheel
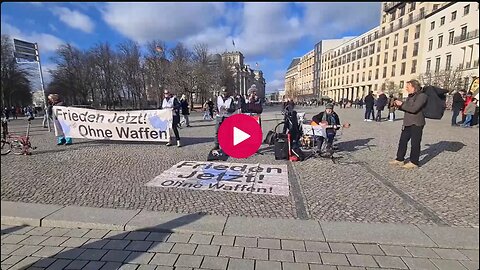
[16, 147]
[6, 147]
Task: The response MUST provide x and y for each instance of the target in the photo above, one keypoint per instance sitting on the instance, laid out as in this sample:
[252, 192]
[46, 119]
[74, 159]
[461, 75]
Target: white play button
[239, 136]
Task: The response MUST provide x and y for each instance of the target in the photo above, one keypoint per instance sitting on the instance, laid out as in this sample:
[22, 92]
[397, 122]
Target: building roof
[294, 62]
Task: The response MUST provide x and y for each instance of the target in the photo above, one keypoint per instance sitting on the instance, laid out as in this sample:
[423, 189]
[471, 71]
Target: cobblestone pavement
[360, 186]
[59, 248]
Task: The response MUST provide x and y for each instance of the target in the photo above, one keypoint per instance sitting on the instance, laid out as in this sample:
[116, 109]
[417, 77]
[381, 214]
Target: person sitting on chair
[330, 121]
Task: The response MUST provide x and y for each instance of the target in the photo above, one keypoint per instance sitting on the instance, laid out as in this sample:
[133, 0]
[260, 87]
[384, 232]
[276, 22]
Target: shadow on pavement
[115, 251]
[435, 149]
[13, 229]
[355, 145]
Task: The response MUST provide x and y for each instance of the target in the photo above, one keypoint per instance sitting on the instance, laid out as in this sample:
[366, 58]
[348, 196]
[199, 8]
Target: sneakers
[364, 120]
[168, 144]
[179, 144]
[369, 120]
[410, 165]
[396, 162]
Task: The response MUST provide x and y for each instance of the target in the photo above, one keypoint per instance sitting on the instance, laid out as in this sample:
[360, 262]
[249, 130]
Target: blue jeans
[468, 120]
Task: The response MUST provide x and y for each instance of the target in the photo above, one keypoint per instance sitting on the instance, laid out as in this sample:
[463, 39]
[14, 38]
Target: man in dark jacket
[413, 123]
[381, 103]
[328, 118]
[457, 105]
[369, 103]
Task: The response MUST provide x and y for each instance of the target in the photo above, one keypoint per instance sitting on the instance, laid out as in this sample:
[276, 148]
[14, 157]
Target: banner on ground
[259, 179]
[146, 125]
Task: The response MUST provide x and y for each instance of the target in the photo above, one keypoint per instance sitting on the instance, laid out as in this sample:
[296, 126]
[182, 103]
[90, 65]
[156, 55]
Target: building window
[391, 27]
[415, 49]
[422, 12]
[395, 40]
[379, 46]
[402, 11]
[385, 60]
[463, 34]
[384, 18]
[410, 18]
[466, 9]
[371, 62]
[386, 43]
[393, 71]
[352, 78]
[401, 84]
[442, 20]
[394, 57]
[364, 63]
[454, 15]
[358, 77]
[383, 30]
[412, 6]
[404, 53]
[405, 36]
[370, 75]
[435, 7]
[417, 31]
[363, 76]
[440, 41]
[402, 70]
[432, 25]
[384, 72]
[358, 65]
[451, 36]
[428, 66]
[430, 44]
[378, 60]
[414, 66]
[353, 66]
[376, 74]
[348, 69]
[400, 23]
[393, 16]
[448, 62]
[437, 64]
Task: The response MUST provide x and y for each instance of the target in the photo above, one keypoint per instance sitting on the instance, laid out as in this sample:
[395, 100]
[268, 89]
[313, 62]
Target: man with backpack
[413, 123]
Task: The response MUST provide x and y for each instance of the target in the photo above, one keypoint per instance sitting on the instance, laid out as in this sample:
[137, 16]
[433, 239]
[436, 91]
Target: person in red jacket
[468, 99]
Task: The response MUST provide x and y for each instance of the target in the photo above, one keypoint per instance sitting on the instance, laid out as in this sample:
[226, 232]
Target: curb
[42, 215]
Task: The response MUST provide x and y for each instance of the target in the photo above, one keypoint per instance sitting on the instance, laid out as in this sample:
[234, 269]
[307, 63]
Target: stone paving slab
[173, 222]
[375, 233]
[90, 218]
[274, 228]
[456, 237]
[18, 213]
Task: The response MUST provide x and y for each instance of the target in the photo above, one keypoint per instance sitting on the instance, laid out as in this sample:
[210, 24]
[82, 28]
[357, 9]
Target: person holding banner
[171, 102]
[54, 100]
[225, 108]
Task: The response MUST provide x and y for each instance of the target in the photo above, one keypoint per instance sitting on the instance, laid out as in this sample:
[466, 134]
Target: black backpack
[436, 102]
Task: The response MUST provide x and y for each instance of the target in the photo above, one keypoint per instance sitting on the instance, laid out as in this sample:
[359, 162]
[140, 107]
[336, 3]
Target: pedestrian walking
[62, 138]
[171, 102]
[457, 106]
[185, 110]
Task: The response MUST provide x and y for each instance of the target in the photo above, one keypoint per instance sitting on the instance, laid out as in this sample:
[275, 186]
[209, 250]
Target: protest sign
[145, 125]
[259, 179]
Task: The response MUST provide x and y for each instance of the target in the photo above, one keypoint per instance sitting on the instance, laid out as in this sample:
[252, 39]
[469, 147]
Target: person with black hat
[330, 121]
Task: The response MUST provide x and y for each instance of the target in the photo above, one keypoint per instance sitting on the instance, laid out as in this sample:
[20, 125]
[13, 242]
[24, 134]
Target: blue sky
[268, 33]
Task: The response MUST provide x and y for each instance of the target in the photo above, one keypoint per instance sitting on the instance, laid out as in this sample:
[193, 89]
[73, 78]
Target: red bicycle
[19, 145]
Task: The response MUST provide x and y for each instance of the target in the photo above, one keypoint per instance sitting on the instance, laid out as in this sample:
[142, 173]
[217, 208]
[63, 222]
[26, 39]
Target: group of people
[226, 105]
[15, 111]
[466, 104]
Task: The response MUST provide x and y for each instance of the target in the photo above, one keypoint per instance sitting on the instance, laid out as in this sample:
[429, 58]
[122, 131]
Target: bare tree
[132, 73]
[106, 61]
[201, 72]
[156, 70]
[181, 78]
[449, 79]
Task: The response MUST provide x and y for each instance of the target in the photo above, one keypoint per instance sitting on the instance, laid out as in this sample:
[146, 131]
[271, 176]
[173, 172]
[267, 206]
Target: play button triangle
[239, 136]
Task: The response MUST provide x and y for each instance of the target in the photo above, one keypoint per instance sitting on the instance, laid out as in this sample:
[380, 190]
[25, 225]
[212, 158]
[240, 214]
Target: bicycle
[19, 145]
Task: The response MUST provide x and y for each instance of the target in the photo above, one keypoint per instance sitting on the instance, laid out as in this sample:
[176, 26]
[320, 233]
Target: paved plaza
[334, 206]
[359, 187]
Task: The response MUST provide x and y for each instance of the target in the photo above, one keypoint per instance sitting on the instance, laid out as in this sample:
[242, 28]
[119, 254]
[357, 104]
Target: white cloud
[267, 30]
[215, 38]
[165, 21]
[324, 20]
[74, 19]
[274, 85]
[46, 42]
[52, 27]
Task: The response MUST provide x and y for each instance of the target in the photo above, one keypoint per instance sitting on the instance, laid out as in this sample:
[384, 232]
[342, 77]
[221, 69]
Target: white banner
[147, 125]
[259, 179]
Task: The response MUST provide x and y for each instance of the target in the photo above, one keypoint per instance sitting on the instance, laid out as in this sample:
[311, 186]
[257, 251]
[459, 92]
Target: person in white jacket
[225, 108]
